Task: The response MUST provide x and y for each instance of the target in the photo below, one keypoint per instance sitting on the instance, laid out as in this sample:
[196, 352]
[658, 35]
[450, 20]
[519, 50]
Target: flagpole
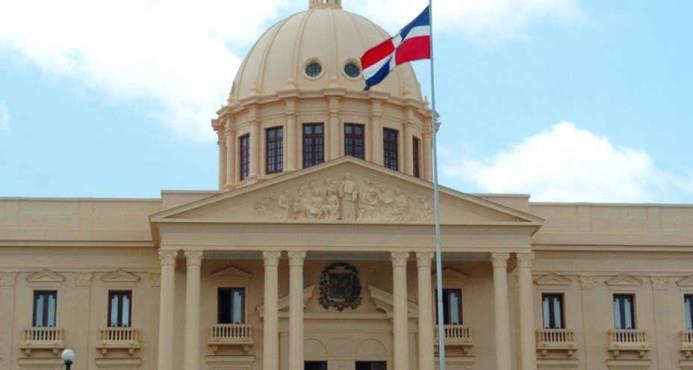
[436, 208]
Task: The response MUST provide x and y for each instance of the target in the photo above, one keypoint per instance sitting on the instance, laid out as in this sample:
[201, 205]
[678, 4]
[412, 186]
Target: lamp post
[68, 356]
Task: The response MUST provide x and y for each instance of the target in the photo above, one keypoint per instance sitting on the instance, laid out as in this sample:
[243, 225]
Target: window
[45, 304]
[244, 156]
[119, 309]
[354, 140]
[371, 365]
[624, 311]
[274, 150]
[452, 307]
[416, 162]
[688, 310]
[352, 70]
[313, 150]
[231, 306]
[390, 148]
[313, 69]
[552, 311]
[315, 365]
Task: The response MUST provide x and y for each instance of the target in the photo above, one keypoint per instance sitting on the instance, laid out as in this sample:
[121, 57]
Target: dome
[324, 34]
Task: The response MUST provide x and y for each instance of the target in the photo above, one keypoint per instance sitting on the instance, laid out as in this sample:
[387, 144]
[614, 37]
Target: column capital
[423, 259]
[193, 257]
[500, 260]
[399, 259]
[524, 259]
[296, 258]
[167, 257]
[271, 258]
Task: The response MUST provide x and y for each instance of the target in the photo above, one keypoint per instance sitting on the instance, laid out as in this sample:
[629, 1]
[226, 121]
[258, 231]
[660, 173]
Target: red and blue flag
[412, 43]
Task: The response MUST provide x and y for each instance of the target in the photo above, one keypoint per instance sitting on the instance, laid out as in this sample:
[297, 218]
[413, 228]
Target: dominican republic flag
[412, 43]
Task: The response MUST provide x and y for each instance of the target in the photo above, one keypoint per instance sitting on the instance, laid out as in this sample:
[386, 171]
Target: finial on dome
[314, 4]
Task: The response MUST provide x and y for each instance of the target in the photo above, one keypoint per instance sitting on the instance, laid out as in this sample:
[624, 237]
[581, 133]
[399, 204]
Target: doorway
[315, 365]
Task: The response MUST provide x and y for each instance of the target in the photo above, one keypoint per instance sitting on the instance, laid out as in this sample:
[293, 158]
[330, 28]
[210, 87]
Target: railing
[628, 340]
[230, 335]
[556, 340]
[457, 336]
[116, 338]
[687, 343]
[42, 338]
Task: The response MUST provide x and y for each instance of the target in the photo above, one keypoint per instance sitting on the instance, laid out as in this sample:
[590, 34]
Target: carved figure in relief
[349, 196]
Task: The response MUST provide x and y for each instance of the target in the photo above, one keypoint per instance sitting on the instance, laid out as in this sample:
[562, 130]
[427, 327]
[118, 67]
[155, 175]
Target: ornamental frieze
[346, 198]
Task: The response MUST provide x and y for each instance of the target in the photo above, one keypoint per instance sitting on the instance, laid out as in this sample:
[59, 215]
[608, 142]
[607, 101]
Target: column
[333, 131]
[270, 335]
[290, 136]
[376, 136]
[528, 352]
[427, 156]
[502, 311]
[296, 310]
[192, 309]
[254, 170]
[230, 155]
[221, 141]
[166, 303]
[400, 321]
[423, 263]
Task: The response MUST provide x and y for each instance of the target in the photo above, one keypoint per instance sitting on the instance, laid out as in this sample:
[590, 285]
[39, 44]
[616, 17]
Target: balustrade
[556, 340]
[230, 335]
[628, 340]
[687, 343]
[118, 338]
[457, 336]
[42, 338]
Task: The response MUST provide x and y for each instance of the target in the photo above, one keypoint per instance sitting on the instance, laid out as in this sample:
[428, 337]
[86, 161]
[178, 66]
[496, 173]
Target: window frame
[317, 144]
[119, 319]
[46, 308]
[622, 311]
[231, 290]
[552, 311]
[244, 156]
[351, 140]
[416, 156]
[447, 316]
[274, 163]
[391, 148]
[688, 317]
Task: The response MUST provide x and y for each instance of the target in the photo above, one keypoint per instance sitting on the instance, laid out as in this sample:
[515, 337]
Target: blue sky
[568, 100]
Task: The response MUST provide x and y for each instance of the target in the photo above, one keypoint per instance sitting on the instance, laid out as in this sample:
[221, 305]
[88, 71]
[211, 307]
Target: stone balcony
[116, 338]
[51, 339]
[556, 340]
[628, 340]
[457, 336]
[687, 344]
[222, 335]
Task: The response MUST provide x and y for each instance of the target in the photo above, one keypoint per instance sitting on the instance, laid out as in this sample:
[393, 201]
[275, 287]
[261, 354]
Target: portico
[478, 232]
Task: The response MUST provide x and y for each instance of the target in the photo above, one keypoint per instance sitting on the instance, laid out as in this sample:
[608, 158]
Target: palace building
[315, 252]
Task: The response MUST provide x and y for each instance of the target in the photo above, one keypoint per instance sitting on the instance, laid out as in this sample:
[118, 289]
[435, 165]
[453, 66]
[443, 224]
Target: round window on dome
[352, 70]
[313, 69]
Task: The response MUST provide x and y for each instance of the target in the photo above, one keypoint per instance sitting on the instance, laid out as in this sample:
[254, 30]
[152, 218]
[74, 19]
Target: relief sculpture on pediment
[345, 198]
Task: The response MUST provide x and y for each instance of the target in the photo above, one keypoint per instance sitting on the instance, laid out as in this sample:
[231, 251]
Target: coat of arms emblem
[340, 287]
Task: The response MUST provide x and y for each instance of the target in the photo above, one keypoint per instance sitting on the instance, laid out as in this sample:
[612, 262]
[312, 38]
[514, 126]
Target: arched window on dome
[391, 149]
[313, 144]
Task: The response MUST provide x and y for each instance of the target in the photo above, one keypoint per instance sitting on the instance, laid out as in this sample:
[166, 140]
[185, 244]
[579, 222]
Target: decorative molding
[399, 259]
[167, 257]
[296, 258]
[589, 282]
[231, 273]
[155, 279]
[45, 277]
[120, 277]
[500, 260]
[193, 257]
[271, 258]
[340, 287]
[83, 279]
[524, 259]
[383, 301]
[8, 278]
[623, 280]
[685, 282]
[553, 279]
[659, 282]
[424, 259]
[345, 198]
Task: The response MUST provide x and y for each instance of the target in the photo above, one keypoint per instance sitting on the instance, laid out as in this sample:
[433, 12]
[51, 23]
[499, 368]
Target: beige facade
[330, 263]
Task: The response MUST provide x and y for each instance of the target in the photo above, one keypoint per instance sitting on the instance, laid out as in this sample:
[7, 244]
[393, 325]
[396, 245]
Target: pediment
[45, 277]
[120, 276]
[231, 273]
[685, 282]
[345, 190]
[383, 300]
[451, 275]
[552, 279]
[283, 302]
[624, 280]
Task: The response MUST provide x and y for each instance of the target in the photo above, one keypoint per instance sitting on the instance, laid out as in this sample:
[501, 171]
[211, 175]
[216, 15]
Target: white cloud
[181, 55]
[4, 118]
[495, 20]
[566, 163]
